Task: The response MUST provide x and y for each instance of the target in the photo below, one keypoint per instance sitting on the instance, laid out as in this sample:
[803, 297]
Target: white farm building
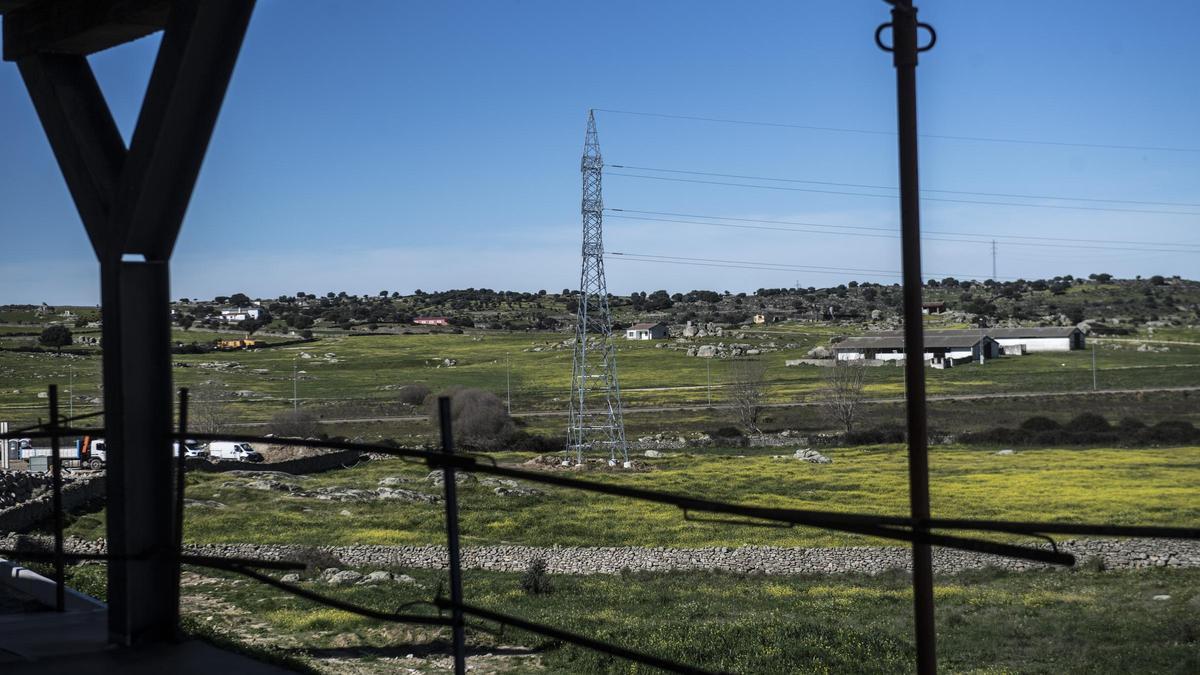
[646, 331]
[940, 350]
[1045, 339]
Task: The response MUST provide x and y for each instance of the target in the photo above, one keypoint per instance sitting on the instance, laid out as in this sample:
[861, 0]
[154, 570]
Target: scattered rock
[437, 478]
[811, 456]
[652, 453]
[290, 578]
[1007, 451]
[1161, 597]
[377, 577]
[344, 578]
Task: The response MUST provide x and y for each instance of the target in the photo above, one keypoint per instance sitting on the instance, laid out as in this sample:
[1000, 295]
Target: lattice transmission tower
[595, 422]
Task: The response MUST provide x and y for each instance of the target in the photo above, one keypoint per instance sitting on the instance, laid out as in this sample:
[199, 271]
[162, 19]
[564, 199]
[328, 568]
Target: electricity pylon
[595, 422]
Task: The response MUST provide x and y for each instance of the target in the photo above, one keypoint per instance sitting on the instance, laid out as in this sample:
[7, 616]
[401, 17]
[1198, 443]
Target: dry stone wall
[1113, 553]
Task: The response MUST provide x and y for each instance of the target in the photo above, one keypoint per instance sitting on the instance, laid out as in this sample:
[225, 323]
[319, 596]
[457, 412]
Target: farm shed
[938, 348]
[1044, 339]
[646, 331]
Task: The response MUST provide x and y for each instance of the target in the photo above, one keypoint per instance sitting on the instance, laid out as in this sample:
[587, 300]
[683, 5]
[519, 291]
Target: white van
[241, 452]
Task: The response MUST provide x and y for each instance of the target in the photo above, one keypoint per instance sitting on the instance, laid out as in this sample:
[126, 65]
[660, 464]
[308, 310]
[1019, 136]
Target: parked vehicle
[90, 452]
[190, 449]
[241, 452]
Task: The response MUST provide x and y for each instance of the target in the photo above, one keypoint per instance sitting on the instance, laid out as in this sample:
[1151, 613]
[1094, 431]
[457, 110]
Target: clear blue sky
[433, 145]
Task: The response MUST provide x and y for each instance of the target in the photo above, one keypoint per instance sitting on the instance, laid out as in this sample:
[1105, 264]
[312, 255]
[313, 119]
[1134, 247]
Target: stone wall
[300, 465]
[39, 505]
[1114, 553]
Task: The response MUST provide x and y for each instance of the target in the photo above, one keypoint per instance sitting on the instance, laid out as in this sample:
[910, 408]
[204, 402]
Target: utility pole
[993, 260]
[904, 49]
[71, 391]
[595, 419]
[508, 380]
[295, 386]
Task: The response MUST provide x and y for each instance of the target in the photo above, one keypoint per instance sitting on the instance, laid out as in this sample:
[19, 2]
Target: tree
[209, 411]
[843, 392]
[57, 336]
[239, 299]
[294, 424]
[746, 391]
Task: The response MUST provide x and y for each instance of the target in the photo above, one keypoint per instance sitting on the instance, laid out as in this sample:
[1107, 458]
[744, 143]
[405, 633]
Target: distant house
[239, 314]
[1038, 339]
[940, 350]
[646, 331]
[432, 320]
[933, 307]
[236, 344]
[760, 318]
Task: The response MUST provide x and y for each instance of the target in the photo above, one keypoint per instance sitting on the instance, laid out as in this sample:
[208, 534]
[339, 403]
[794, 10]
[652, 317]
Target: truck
[87, 451]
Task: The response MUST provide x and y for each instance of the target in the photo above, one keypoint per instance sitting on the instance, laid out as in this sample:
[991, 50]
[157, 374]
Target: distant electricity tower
[595, 421]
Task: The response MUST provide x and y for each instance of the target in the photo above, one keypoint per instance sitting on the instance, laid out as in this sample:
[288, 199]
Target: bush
[875, 436]
[478, 418]
[1088, 423]
[1040, 424]
[535, 580]
[294, 424]
[56, 336]
[1171, 431]
[1130, 425]
[727, 432]
[413, 394]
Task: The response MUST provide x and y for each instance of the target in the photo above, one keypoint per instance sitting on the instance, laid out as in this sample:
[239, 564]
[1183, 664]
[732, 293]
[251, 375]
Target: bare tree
[843, 392]
[747, 388]
[209, 410]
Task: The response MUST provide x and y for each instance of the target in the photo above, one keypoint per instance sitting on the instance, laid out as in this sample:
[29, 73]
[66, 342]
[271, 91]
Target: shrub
[294, 424]
[478, 418]
[56, 336]
[875, 436]
[1171, 431]
[413, 394]
[727, 432]
[1088, 423]
[1039, 423]
[535, 580]
[1130, 424]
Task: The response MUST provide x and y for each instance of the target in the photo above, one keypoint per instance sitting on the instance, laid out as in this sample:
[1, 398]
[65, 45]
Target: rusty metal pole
[458, 625]
[60, 576]
[904, 56]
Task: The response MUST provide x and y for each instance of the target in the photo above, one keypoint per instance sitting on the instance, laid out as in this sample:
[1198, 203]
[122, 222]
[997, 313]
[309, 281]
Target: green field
[988, 622]
[365, 370]
[1143, 486]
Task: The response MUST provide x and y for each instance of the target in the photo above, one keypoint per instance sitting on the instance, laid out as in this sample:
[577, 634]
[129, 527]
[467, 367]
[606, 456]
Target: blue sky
[410, 145]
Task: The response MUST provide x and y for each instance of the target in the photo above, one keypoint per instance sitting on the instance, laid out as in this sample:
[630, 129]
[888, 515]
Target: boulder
[376, 577]
[437, 478]
[290, 578]
[706, 351]
[652, 453]
[820, 352]
[811, 456]
[1007, 451]
[344, 578]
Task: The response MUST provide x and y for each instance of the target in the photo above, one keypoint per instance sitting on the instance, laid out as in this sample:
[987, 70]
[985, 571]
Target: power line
[781, 267]
[892, 187]
[964, 237]
[873, 132]
[928, 199]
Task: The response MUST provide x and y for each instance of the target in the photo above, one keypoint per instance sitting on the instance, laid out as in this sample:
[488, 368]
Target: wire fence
[453, 611]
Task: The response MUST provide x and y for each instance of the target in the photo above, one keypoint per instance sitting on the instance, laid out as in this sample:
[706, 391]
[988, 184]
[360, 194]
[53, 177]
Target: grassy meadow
[989, 621]
[356, 376]
[1130, 486]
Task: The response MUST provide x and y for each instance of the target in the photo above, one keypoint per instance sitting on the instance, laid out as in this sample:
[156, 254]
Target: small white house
[646, 331]
[1044, 339]
[239, 314]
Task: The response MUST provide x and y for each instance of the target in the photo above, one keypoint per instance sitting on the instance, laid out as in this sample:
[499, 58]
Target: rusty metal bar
[60, 576]
[451, 491]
